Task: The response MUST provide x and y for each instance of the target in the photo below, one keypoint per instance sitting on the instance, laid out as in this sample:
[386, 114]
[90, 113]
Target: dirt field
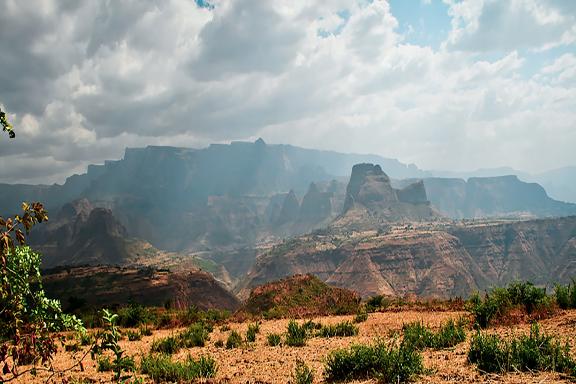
[260, 363]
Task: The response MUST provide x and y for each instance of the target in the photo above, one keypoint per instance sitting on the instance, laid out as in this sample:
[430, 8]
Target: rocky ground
[260, 363]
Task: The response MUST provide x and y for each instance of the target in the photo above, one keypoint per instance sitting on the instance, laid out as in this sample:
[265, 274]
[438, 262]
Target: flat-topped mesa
[368, 184]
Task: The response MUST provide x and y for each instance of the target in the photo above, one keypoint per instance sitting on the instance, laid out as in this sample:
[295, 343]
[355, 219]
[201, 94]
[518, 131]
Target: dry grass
[260, 363]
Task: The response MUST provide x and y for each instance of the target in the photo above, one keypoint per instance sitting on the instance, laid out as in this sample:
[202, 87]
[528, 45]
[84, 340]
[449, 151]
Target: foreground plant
[161, 368]
[108, 341]
[535, 352]
[419, 336]
[387, 362]
[302, 373]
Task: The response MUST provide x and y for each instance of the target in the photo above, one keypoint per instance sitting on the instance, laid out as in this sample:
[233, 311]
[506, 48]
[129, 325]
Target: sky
[447, 85]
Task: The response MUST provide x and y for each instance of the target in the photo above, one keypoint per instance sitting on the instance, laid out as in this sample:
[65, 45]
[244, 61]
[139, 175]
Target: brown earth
[260, 363]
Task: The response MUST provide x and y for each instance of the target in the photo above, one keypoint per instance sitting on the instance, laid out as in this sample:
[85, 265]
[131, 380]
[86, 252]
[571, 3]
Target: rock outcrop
[371, 200]
[316, 206]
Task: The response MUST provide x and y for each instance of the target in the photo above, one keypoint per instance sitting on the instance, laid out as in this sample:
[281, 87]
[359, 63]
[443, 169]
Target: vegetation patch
[234, 340]
[419, 336]
[160, 368]
[299, 296]
[302, 373]
[194, 336]
[253, 329]
[535, 352]
[274, 339]
[341, 329]
[386, 362]
[566, 295]
[296, 335]
[498, 304]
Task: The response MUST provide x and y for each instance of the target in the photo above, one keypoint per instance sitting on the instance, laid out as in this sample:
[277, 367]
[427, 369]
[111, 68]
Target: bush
[342, 329]
[219, 343]
[133, 316]
[535, 352]
[195, 336]
[497, 303]
[296, 335]
[302, 373]
[376, 302]
[361, 317]
[161, 368]
[419, 336]
[234, 340]
[145, 331]
[133, 335]
[253, 329]
[391, 362]
[167, 345]
[104, 364]
[274, 339]
[566, 295]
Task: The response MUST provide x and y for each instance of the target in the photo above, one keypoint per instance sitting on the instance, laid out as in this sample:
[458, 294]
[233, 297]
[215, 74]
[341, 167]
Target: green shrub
[194, 336]
[145, 331]
[376, 302]
[361, 317]
[302, 373]
[391, 362]
[219, 343]
[234, 340]
[133, 316]
[253, 329]
[104, 364]
[310, 326]
[86, 338]
[497, 303]
[296, 334]
[225, 328]
[274, 339]
[419, 336]
[167, 345]
[341, 329]
[161, 368]
[566, 295]
[535, 352]
[133, 335]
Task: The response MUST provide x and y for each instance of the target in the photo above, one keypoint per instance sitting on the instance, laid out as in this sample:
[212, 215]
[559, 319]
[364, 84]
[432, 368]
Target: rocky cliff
[371, 200]
[437, 260]
[492, 197]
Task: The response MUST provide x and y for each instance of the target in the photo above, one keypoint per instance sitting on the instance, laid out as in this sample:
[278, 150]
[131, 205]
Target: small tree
[27, 316]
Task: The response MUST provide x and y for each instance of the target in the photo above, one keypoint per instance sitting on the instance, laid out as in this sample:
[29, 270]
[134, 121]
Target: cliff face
[428, 260]
[99, 286]
[371, 200]
[493, 196]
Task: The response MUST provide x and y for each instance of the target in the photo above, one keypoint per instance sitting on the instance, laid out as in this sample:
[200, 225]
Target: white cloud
[86, 79]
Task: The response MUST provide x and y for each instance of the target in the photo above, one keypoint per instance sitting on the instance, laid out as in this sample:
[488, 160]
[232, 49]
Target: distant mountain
[431, 260]
[560, 184]
[493, 197]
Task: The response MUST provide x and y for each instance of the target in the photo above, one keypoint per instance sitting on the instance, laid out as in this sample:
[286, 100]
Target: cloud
[83, 80]
[494, 25]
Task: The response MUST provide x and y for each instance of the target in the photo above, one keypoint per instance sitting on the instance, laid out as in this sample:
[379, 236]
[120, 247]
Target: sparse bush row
[160, 368]
[566, 295]
[386, 362]
[195, 336]
[536, 352]
[419, 336]
[498, 303]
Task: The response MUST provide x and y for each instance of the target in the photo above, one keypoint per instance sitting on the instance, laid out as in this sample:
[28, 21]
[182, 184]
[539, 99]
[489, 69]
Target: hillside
[429, 260]
[109, 286]
[300, 296]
